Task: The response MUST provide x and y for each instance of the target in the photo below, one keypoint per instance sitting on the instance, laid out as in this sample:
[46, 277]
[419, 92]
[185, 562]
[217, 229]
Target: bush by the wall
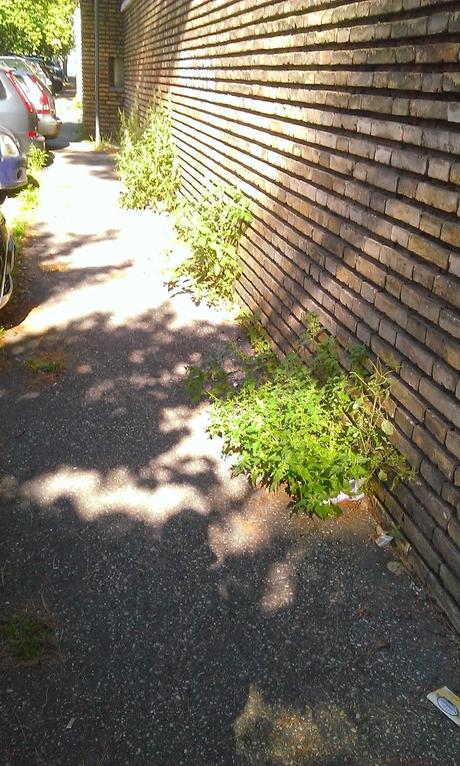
[309, 428]
[213, 227]
[147, 161]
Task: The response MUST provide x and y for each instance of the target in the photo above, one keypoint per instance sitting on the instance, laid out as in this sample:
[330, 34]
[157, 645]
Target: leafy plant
[147, 161]
[44, 365]
[252, 327]
[26, 638]
[312, 429]
[213, 227]
[36, 159]
[42, 27]
[19, 230]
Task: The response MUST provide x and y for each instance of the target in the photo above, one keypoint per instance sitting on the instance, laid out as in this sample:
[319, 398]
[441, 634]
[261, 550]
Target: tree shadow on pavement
[198, 625]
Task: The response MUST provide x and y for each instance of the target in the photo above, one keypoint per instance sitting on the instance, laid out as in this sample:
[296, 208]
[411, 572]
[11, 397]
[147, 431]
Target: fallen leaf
[395, 567]
[381, 643]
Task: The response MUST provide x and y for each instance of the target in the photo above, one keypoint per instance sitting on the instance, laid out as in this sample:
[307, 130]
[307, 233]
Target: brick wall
[341, 122]
[110, 45]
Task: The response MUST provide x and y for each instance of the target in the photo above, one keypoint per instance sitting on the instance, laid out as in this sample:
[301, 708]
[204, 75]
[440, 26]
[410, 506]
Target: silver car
[39, 94]
[17, 113]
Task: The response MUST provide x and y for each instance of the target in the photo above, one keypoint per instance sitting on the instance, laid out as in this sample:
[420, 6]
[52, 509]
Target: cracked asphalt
[198, 624]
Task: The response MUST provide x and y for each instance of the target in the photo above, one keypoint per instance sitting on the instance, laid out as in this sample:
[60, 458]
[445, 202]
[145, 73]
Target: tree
[43, 27]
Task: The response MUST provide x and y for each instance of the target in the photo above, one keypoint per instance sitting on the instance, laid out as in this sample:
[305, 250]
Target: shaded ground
[197, 623]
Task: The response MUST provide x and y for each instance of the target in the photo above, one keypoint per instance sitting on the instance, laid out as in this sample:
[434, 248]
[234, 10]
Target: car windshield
[14, 62]
[40, 72]
[30, 88]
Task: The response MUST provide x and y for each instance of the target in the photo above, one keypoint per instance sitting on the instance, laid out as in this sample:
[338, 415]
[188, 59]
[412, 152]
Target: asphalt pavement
[197, 623]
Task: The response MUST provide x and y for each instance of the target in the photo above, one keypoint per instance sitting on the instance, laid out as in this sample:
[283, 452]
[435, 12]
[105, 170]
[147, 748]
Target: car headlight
[8, 146]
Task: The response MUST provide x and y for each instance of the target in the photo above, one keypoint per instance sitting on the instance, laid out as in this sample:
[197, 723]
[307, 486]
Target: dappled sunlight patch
[263, 520]
[105, 391]
[279, 734]
[54, 266]
[94, 495]
[280, 583]
[137, 356]
[84, 369]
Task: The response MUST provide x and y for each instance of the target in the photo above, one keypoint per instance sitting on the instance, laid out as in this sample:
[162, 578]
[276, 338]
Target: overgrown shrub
[213, 227]
[147, 161]
[312, 428]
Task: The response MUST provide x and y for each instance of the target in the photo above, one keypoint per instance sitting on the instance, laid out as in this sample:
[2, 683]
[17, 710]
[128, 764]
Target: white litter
[447, 702]
[356, 495]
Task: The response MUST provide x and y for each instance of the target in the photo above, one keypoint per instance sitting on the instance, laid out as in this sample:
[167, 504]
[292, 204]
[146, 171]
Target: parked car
[41, 97]
[56, 75]
[17, 113]
[6, 263]
[13, 164]
[39, 67]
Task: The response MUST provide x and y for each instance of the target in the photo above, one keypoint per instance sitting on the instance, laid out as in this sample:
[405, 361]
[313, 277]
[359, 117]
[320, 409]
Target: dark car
[13, 164]
[6, 263]
[57, 76]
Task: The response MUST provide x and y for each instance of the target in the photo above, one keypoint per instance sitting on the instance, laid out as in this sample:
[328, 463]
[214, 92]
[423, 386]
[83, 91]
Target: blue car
[6, 263]
[13, 164]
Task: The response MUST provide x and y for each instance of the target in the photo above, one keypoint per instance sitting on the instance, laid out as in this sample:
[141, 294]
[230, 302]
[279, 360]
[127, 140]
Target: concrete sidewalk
[198, 624]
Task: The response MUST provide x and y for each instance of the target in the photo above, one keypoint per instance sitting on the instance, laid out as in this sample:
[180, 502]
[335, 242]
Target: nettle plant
[212, 226]
[147, 161]
[302, 422]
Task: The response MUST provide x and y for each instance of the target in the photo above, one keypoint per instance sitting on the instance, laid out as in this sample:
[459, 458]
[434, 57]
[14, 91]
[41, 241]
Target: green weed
[44, 365]
[212, 227]
[311, 429]
[36, 159]
[19, 229]
[147, 161]
[30, 196]
[26, 639]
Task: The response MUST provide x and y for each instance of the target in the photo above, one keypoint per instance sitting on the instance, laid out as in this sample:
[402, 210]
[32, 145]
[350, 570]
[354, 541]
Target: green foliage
[213, 227]
[26, 638]
[147, 162]
[43, 27]
[311, 429]
[36, 159]
[257, 335]
[19, 230]
[44, 365]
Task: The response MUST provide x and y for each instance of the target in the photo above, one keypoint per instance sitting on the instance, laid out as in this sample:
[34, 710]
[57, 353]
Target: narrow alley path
[198, 624]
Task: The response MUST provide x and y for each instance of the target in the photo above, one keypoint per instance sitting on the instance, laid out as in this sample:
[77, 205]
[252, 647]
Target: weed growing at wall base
[212, 227]
[147, 161]
[309, 428]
